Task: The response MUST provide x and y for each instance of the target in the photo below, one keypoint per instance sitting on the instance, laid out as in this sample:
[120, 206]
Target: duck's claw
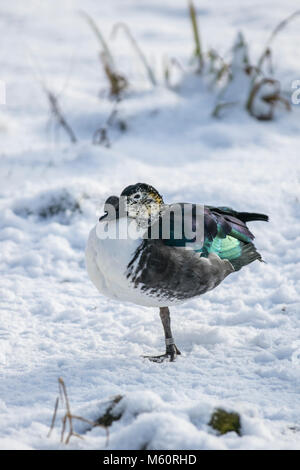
[170, 355]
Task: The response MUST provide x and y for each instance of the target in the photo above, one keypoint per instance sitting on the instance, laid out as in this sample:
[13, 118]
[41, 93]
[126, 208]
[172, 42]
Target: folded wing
[225, 233]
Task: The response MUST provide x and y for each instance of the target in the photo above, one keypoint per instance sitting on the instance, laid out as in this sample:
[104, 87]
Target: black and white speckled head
[143, 201]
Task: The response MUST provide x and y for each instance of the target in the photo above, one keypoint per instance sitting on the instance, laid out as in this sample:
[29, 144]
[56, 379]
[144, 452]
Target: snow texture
[240, 342]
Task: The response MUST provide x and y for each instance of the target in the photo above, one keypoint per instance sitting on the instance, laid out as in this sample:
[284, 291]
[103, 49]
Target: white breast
[107, 260]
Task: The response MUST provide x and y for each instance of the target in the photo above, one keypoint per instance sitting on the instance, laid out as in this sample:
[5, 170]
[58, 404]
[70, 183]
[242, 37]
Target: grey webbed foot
[170, 355]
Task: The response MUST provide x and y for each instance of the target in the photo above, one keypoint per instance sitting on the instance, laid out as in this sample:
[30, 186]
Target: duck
[142, 251]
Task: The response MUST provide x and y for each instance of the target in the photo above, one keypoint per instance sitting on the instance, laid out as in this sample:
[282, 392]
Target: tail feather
[243, 216]
[247, 256]
[249, 216]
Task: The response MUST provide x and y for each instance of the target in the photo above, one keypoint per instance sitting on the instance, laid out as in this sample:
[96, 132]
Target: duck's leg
[171, 349]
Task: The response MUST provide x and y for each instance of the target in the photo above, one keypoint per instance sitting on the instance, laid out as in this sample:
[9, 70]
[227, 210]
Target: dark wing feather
[224, 232]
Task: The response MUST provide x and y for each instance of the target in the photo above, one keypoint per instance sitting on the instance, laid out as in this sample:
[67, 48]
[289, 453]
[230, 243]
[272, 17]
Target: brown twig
[101, 135]
[137, 49]
[271, 99]
[68, 417]
[53, 417]
[99, 36]
[198, 49]
[56, 111]
[220, 106]
[274, 33]
[118, 83]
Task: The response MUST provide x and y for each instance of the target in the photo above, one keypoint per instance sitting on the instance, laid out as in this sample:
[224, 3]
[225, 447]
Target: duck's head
[138, 201]
[142, 201]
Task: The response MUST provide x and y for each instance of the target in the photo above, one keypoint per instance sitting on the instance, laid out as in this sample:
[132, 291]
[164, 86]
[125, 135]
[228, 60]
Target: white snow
[240, 342]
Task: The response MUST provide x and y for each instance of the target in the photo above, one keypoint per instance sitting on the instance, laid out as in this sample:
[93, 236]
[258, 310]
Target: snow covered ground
[240, 342]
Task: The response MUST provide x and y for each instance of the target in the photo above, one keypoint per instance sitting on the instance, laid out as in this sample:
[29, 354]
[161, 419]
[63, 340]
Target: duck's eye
[137, 196]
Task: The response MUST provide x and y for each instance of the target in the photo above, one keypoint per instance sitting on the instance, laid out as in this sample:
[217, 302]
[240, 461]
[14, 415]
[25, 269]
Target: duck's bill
[103, 216]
